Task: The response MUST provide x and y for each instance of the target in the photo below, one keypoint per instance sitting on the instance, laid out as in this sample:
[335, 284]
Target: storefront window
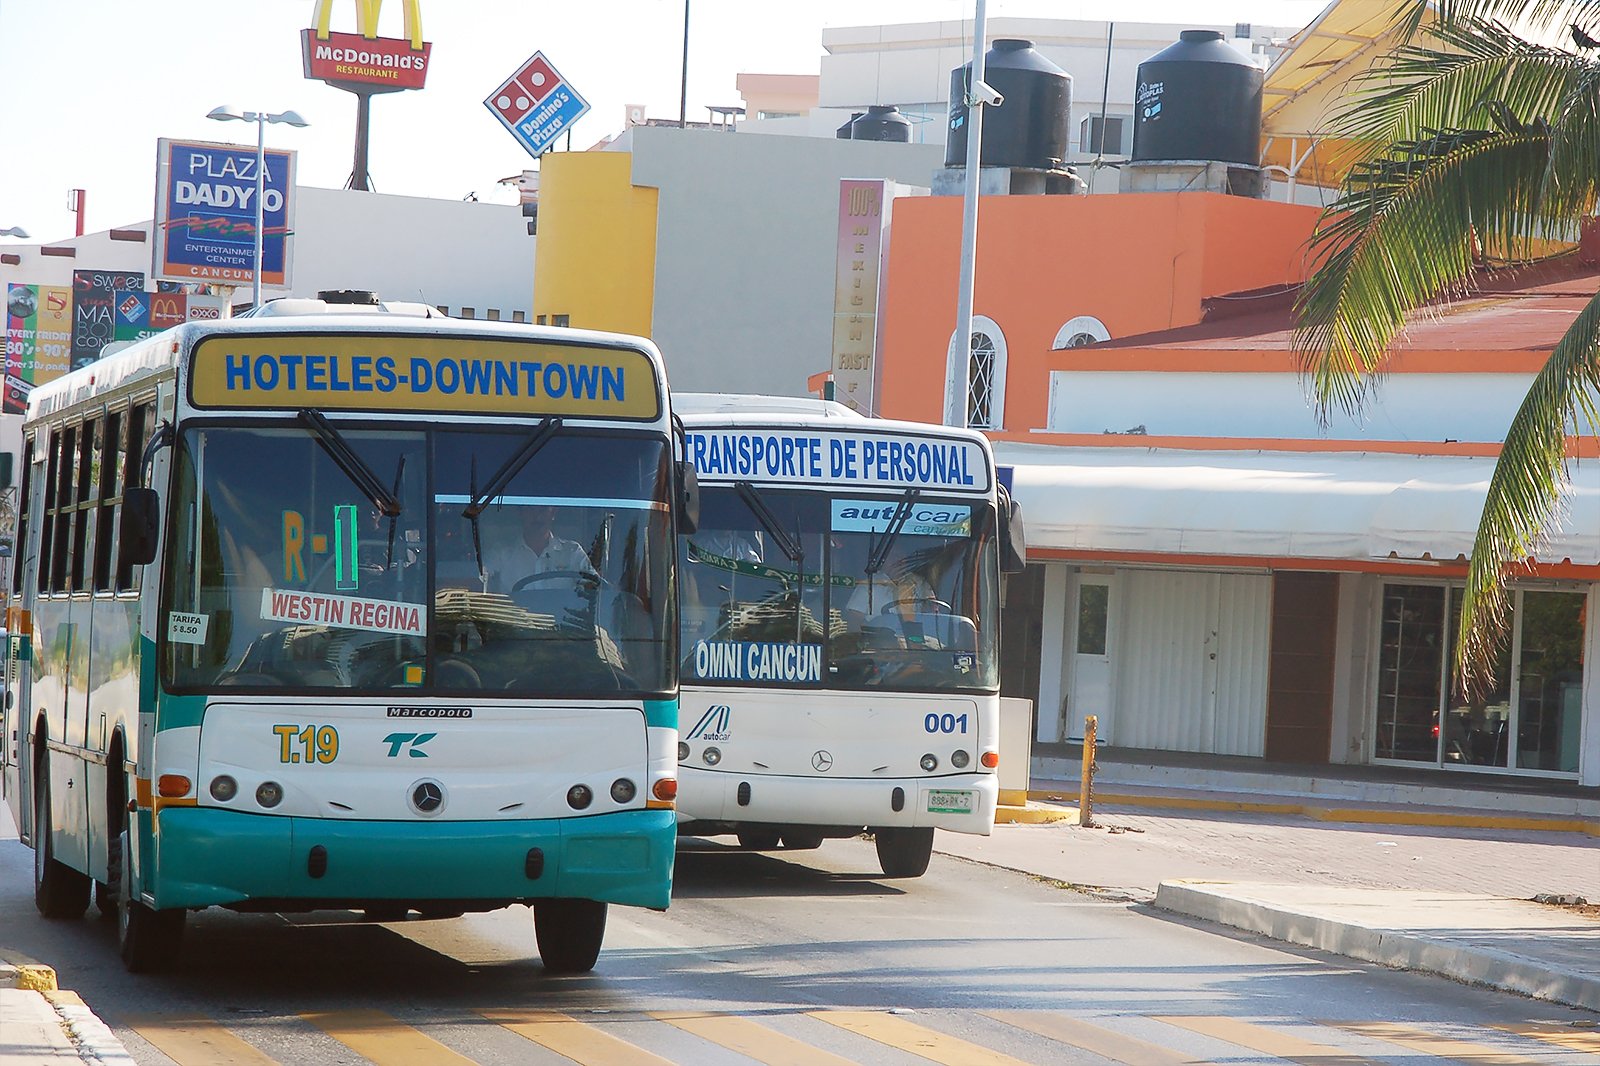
[1550, 681]
[1478, 732]
[1410, 672]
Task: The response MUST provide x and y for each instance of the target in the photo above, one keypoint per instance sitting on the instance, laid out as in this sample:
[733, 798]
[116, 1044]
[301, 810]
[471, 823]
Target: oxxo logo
[713, 725]
[411, 743]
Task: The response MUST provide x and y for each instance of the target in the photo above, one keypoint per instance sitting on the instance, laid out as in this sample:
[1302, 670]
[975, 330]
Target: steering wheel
[575, 576]
[938, 606]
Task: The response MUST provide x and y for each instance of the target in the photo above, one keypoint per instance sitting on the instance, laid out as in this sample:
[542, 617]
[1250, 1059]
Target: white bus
[840, 620]
[325, 609]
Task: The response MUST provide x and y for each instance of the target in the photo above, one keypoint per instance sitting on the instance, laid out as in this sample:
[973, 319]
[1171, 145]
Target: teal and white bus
[841, 627]
[325, 609]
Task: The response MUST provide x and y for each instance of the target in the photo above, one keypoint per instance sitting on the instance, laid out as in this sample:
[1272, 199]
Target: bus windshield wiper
[355, 468]
[769, 521]
[897, 521]
[513, 466]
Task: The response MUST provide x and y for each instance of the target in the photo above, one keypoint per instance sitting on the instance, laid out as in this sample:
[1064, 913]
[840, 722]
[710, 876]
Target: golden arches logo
[367, 19]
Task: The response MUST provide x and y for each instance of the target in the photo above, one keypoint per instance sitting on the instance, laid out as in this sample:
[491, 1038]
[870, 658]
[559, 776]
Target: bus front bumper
[209, 857]
[963, 803]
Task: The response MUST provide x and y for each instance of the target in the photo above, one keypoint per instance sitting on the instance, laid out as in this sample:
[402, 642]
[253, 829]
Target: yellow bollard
[1086, 790]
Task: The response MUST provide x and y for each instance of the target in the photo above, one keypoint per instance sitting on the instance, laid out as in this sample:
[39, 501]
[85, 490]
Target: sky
[87, 86]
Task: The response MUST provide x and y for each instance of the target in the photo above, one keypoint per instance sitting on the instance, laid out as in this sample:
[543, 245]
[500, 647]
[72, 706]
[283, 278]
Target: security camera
[985, 94]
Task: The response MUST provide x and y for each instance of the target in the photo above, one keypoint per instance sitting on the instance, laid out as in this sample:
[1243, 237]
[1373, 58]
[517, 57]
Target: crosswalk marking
[1285, 1046]
[895, 1031]
[750, 1039]
[1129, 1050]
[1433, 1044]
[377, 1036]
[198, 1040]
[1564, 1036]
[582, 1042]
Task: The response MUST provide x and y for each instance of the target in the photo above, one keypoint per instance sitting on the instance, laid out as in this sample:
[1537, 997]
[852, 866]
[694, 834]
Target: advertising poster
[205, 225]
[92, 317]
[168, 309]
[38, 339]
[131, 316]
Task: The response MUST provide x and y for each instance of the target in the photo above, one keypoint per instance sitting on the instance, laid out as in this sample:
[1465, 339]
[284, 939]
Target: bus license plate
[950, 801]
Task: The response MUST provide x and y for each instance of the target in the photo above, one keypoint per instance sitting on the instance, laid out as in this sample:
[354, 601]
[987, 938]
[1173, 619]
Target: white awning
[1274, 505]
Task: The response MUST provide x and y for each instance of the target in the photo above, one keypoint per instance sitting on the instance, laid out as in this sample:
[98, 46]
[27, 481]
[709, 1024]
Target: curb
[1359, 815]
[82, 1031]
[1387, 947]
[1033, 814]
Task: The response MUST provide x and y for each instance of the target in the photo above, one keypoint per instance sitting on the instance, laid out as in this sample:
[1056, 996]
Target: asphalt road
[763, 958]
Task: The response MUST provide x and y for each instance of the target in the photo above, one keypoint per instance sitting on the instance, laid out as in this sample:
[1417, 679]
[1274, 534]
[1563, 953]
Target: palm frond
[1540, 15]
[1525, 491]
[1402, 233]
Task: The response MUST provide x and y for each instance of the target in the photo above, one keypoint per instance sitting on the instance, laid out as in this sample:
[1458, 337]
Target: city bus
[344, 607]
[840, 604]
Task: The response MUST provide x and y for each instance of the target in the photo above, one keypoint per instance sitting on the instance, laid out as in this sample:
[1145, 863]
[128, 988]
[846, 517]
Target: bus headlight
[930, 763]
[269, 794]
[959, 759]
[623, 790]
[712, 756]
[683, 750]
[223, 788]
[579, 797]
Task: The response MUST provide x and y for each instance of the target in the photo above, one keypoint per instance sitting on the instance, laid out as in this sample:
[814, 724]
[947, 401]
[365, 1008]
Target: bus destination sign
[798, 456]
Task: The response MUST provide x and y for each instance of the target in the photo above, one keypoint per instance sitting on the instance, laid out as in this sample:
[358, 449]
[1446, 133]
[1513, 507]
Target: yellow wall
[596, 255]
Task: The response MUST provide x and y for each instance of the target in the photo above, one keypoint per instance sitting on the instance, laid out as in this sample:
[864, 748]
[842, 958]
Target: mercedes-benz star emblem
[822, 761]
[427, 797]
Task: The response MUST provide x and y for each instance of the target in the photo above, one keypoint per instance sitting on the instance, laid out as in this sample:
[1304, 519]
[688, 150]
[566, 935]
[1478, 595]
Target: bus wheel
[801, 840]
[904, 852]
[569, 932]
[758, 839]
[149, 939]
[59, 891]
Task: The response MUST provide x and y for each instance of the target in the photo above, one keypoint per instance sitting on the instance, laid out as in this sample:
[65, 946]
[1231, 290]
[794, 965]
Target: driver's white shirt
[885, 590]
[518, 561]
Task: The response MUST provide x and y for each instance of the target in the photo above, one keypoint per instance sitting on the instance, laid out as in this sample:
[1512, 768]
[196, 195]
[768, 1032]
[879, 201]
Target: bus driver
[538, 550]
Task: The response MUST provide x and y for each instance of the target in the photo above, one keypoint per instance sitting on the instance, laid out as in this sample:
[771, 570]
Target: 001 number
[944, 723]
[315, 744]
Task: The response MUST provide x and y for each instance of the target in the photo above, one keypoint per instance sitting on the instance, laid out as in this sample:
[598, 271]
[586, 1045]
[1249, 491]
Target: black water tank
[881, 124]
[1198, 99]
[843, 132]
[1030, 128]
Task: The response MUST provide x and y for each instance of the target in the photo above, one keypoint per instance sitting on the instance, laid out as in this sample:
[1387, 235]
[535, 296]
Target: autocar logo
[822, 761]
[427, 797]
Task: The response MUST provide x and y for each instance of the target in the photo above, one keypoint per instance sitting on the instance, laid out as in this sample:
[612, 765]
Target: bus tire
[569, 932]
[801, 840]
[59, 891]
[148, 940]
[904, 852]
[758, 839]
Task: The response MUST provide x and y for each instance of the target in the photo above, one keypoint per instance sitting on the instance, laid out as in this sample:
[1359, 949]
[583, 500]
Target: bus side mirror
[141, 526]
[687, 497]
[1013, 542]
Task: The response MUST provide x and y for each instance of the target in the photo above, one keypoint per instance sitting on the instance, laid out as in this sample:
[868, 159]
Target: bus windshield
[287, 571]
[871, 603]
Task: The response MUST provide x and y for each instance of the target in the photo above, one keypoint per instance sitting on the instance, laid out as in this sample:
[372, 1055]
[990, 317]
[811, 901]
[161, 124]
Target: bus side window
[19, 544]
[47, 520]
[113, 456]
[84, 503]
[139, 419]
[61, 505]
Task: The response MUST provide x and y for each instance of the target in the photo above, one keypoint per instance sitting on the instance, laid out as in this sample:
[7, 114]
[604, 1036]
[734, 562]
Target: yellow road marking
[895, 1031]
[581, 1042]
[374, 1035]
[1108, 1044]
[1560, 1035]
[198, 1042]
[1433, 1044]
[1285, 1046]
[750, 1038]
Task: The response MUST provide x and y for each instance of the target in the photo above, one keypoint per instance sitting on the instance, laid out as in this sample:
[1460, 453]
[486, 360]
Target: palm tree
[1483, 149]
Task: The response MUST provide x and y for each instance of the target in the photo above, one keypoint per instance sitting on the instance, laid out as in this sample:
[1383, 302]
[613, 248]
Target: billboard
[205, 224]
[363, 62]
[93, 320]
[38, 340]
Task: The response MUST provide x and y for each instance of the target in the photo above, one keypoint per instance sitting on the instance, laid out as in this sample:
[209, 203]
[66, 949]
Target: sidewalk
[41, 1026]
[1442, 890]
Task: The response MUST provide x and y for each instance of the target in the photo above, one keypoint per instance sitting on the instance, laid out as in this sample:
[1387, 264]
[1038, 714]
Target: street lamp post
[225, 113]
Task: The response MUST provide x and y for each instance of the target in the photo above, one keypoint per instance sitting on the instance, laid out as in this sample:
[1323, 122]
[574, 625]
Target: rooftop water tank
[881, 124]
[843, 132]
[1198, 99]
[1030, 128]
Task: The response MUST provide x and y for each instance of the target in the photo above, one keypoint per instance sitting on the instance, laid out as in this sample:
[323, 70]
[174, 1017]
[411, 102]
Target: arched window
[986, 374]
[1080, 332]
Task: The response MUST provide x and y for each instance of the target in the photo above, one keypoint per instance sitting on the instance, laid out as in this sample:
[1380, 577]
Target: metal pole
[360, 180]
[956, 375]
[261, 215]
[1086, 789]
[683, 88]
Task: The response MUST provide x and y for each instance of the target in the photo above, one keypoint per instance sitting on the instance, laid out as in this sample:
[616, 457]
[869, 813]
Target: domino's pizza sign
[536, 104]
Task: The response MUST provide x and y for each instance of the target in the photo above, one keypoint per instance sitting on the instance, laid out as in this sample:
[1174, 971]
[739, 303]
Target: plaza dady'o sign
[363, 62]
[205, 222]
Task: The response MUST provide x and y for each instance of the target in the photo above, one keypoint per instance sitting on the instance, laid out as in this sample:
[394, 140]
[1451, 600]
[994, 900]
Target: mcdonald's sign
[362, 61]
